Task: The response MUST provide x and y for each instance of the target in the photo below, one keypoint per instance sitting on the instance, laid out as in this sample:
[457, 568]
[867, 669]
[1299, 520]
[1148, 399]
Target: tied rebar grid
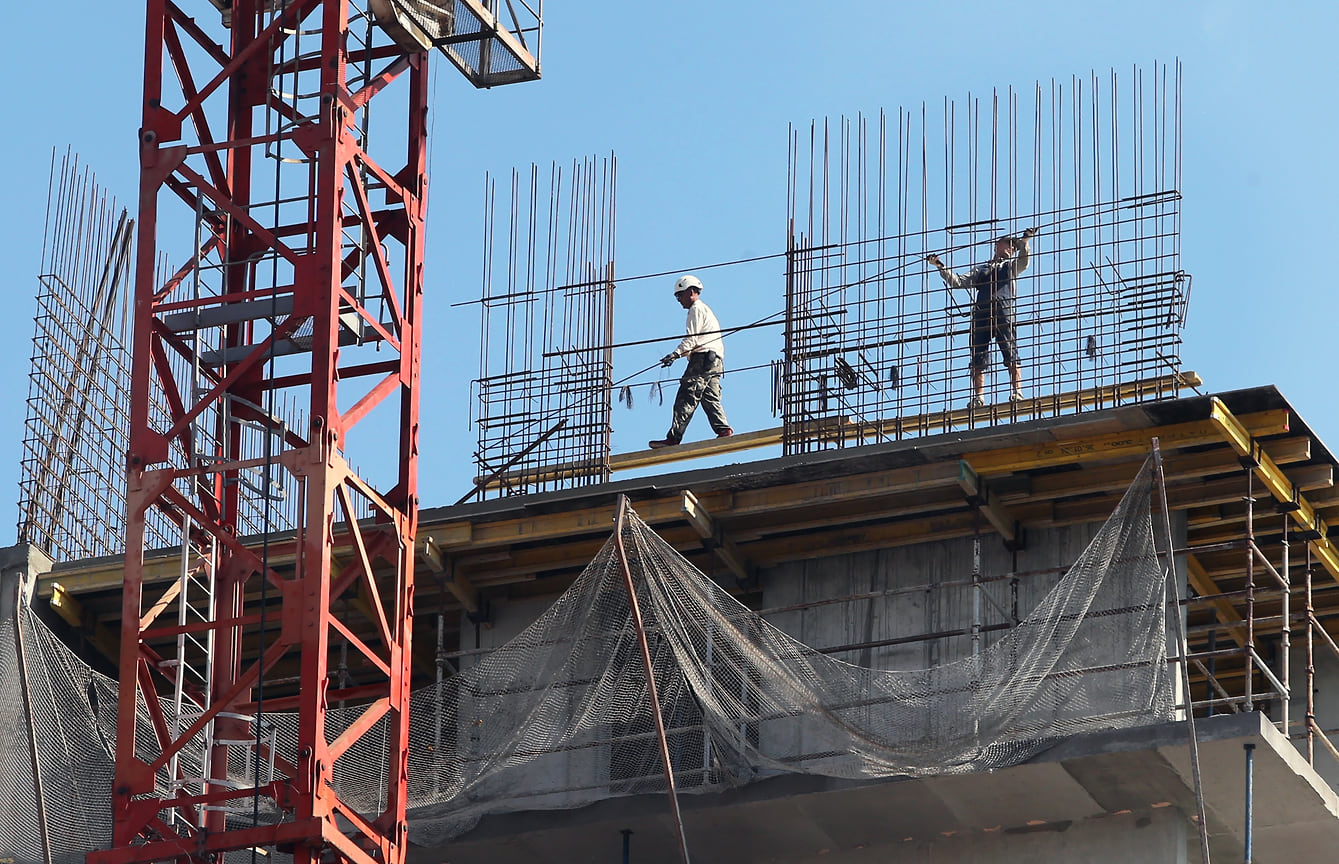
[71, 488]
[876, 340]
[544, 391]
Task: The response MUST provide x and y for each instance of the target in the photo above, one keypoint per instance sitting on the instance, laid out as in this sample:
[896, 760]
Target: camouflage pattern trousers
[701, 382]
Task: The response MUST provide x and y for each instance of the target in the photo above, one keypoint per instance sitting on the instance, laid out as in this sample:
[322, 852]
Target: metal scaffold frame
[1256, 612]
[307, 249]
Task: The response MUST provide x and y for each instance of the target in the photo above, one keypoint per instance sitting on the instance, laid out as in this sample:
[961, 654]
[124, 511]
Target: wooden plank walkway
[852, 431]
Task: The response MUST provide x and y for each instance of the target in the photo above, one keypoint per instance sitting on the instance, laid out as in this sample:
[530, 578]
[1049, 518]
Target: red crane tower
[301, 289]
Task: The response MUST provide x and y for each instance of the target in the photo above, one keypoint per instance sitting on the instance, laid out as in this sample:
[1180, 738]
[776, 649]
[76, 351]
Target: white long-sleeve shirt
[704, 332]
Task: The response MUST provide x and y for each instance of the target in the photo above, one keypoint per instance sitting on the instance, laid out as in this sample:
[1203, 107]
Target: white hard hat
[687, 283]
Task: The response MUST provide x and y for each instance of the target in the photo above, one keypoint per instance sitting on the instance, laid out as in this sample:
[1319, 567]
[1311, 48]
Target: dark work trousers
[993, 320]
[701, 382]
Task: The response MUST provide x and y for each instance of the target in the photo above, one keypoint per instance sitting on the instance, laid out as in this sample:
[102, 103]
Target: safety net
[560, 716]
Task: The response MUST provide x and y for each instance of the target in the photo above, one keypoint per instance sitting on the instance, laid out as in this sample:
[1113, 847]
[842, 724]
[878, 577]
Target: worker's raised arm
[952, 279]
[1024, 250]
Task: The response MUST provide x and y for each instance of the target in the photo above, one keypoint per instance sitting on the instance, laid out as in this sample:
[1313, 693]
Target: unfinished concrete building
[1090, 624]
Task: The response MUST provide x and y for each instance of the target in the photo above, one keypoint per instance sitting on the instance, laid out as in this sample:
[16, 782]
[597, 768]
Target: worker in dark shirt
[993, 310]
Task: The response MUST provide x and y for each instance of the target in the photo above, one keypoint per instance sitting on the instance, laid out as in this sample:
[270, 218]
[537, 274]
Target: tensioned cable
[724, 332]
[1079, 211]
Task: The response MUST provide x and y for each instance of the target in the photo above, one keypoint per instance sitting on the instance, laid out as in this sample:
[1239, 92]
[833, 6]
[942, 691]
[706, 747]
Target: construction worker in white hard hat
[701, 381]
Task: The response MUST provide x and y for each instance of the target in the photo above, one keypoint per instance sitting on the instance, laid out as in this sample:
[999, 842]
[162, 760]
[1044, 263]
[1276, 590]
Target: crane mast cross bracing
[294, 318]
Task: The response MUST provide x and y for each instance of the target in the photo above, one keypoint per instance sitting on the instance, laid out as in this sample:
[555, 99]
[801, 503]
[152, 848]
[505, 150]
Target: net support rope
[562, 715]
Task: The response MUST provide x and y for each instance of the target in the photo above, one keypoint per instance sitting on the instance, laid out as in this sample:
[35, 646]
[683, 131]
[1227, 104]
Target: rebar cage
[877, 343]
[546, 355]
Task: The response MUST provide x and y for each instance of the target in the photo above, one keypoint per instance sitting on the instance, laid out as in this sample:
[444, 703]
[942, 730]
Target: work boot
[1016, 395]
[976, 402]
[726, 433]
[663, 442]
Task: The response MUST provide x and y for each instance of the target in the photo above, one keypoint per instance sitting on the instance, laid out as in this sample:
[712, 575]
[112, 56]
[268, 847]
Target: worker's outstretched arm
[953, 280]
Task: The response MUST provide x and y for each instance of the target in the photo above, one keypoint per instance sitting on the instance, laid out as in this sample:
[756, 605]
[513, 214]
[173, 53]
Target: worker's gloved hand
[933, 259]
[667, 360]
[1029, 233]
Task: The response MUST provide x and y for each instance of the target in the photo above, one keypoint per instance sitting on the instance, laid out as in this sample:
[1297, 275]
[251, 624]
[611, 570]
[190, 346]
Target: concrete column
[1182, 579]
[20, 566]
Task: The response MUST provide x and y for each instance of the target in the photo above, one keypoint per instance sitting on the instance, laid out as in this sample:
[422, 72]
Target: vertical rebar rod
[1183, 647]
[651, 689]
[607, 373]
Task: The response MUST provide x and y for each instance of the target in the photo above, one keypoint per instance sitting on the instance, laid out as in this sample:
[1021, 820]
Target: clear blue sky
[694, 97]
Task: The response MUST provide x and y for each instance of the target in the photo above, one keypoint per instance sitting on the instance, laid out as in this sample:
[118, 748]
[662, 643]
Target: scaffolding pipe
[1286, 637]
[1310, 666]
[1248, 698]
[652, 695]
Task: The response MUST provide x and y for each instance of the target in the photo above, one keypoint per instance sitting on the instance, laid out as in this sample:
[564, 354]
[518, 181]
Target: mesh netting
[560, 716]
[72, 709]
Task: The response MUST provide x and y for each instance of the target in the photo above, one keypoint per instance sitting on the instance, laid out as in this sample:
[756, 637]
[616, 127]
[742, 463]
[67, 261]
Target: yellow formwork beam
[714, 540]
[1117, 444]
[99, 635]
[985, 500]
[1204, 585]
[1239, 437]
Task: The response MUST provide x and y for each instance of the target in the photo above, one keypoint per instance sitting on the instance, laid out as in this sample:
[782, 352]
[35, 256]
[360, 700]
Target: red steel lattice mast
[302, 288]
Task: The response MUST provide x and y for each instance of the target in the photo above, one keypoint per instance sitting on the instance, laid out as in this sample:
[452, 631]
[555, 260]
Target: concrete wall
[935, 609]
[20, 566]
[549, 775]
